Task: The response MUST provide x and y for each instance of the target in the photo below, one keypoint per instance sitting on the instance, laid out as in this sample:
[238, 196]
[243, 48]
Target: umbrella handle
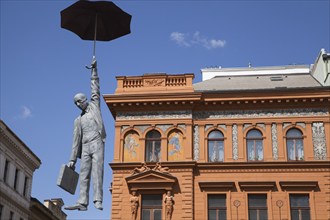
[95, 31]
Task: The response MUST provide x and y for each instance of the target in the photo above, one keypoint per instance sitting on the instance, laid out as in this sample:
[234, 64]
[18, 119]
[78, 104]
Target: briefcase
[68, 179]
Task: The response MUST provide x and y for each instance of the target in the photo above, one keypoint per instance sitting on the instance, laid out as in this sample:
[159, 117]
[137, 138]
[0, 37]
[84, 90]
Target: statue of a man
[88, 145]
[169, 202]
[134, 200]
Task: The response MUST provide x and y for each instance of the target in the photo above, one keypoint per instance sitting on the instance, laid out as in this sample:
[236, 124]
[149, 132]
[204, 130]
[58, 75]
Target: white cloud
[179, 38]
[25, 112]
[197, 39]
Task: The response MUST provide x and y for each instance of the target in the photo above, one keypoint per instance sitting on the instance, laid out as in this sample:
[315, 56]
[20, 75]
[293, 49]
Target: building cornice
[19, 147]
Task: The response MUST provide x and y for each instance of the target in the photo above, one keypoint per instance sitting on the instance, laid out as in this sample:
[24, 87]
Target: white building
[17, 165]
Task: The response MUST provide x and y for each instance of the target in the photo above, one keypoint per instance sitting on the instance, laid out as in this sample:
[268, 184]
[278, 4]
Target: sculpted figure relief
[88, 145]
[169, 202]
[134, 200]
[142, 169]
[161, 169]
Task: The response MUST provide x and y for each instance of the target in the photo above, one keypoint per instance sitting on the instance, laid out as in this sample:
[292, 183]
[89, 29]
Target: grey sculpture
[88, 145]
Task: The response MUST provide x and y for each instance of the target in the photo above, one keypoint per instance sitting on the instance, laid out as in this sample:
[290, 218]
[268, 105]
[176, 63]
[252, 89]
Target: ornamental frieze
[260, 113]
[154, 115]
[223, 170]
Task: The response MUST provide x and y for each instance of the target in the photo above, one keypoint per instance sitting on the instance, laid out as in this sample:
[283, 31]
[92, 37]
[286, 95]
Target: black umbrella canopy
[96, 20]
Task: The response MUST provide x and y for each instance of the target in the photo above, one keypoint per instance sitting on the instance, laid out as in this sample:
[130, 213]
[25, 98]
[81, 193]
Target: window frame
[301, 208]
[295, 140]
[153, 142]
[257, 208]
[254, 139]
[152, 208]
[218, 208]
[220, 140]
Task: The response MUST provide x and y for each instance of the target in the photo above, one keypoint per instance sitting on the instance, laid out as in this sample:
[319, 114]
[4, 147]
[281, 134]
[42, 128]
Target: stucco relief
[142, 128]
[163, 127]
[235, 142]
[301, 124]
[153, 115]
[123, 128]
[274, 141]
[223, 126]
[319, 143]
[182, 126]
[154, 82]
[196, 143]
[260, 113]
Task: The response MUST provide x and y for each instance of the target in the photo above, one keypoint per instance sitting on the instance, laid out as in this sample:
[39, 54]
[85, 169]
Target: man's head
[80, 100]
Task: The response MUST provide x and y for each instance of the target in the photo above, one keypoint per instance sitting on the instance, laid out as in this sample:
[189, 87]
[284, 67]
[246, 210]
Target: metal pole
[95, 31]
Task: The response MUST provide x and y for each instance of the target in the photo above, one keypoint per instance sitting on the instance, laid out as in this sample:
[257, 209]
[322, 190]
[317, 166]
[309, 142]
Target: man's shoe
[98, 205]
[77, 206]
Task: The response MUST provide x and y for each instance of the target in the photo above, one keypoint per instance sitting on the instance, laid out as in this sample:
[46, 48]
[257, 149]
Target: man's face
[81, 102]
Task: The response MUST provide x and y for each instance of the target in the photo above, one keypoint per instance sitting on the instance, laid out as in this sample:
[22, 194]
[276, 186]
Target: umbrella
[96, 20]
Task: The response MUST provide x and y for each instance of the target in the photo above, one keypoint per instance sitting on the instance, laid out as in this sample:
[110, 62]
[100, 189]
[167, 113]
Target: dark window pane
[215, 135]
[253, 214]
[151, 200]
[218, 201]
[294, 214]
[263, 215]
[153, 134]
[212, 215]
[257, 200]
[299, 201]
[157, 214]
[305, 214]
[145, 214]
[254, 134]
[222, 215]
[294, 133]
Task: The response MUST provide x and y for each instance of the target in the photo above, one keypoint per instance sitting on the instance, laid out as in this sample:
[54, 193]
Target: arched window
[153, 146]
[215, 146]
[294, 144]
[255, 148]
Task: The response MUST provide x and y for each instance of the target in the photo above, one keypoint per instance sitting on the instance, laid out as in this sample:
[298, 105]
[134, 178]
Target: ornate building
[245, 143]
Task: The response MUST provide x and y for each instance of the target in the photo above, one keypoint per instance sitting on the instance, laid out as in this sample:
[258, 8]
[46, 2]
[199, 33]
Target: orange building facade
[248, 143]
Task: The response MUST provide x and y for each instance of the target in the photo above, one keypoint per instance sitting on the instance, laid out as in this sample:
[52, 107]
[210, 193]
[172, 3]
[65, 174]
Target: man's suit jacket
[94, 109]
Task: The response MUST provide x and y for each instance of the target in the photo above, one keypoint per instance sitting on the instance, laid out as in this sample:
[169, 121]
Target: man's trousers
[92, 165]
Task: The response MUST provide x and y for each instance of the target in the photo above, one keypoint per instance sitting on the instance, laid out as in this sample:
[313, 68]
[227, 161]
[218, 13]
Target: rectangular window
[217, 207]
[299, 207]
[151, 207]
[16, 179]
[11, 215]
[257, 207]
[1, 209]
[5, 175]
[153, 151]
[25, 189]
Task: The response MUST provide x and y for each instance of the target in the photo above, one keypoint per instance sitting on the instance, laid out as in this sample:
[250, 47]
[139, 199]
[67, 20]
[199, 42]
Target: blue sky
[43, 65]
